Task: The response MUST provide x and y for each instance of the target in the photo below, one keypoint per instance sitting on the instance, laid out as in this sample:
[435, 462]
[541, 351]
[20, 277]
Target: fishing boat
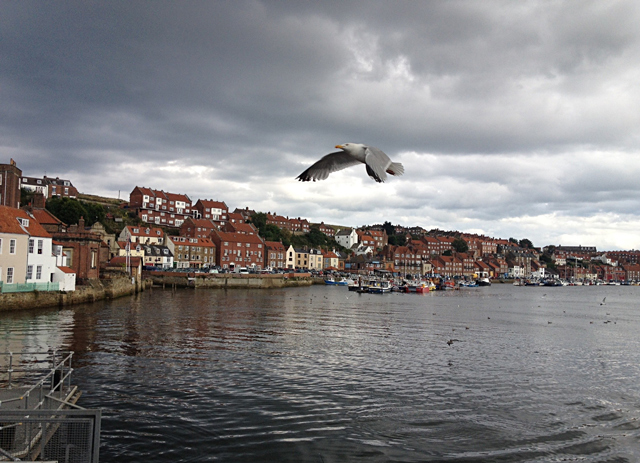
[468, 284]
[420, 287]
[483, 282]
[380, 287]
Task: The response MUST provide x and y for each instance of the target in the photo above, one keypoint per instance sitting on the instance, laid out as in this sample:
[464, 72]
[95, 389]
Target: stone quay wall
[228, 280]
[94, 290]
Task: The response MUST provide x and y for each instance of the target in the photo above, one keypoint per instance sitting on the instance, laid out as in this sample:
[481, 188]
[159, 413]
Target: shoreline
[94, 290]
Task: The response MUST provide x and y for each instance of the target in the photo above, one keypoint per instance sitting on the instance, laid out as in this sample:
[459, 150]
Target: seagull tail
[396, 168]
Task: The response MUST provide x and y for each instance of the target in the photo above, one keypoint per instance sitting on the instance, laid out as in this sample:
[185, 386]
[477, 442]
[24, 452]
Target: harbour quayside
[39, 418]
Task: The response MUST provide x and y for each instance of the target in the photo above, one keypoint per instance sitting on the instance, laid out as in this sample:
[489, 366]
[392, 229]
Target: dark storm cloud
[501, 111]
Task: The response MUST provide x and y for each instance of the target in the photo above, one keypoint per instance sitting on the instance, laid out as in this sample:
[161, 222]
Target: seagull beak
[340, 146]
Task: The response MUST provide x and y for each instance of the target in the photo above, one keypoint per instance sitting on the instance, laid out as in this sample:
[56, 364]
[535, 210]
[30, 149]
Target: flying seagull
[377, 162]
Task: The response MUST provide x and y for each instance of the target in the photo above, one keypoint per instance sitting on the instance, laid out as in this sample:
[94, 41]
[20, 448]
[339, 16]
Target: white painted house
[346, 237]
[41, 262]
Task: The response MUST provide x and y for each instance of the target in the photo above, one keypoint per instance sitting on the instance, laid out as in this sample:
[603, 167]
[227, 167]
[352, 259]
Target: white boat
[379, 287]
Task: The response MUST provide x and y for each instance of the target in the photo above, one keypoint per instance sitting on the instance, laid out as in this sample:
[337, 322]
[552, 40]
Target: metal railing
[28, 287]
[71, 436]
[24, 368]
[38, 416]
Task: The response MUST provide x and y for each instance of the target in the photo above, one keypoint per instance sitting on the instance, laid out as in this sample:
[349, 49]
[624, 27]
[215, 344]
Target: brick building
[159, 207]
[82, 249]
[197, 228]
[275, 254]
[238, 250]
[10, 184]
[49, 187]
[192, 252]
[216, 211]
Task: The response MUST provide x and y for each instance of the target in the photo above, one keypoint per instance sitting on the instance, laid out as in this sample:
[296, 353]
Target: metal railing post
[10, 367]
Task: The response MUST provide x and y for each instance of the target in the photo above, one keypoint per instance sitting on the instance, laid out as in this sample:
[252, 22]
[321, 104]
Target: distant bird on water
[377, 162]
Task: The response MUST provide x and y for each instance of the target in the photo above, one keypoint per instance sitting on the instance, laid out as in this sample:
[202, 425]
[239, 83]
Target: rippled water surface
[320, 374]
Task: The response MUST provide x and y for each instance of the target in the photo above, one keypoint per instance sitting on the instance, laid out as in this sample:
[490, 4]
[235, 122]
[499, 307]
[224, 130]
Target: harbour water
[320, 374]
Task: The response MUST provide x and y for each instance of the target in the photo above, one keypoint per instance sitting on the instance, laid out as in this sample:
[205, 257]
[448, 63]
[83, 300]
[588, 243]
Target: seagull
[602, 303]
[377, 162]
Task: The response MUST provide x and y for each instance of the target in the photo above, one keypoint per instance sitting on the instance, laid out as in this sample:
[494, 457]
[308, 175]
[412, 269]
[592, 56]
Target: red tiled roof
[44, 216]
[9, 223]
[213, 204]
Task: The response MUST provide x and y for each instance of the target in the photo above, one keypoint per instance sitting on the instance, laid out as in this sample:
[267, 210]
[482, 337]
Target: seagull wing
[332, 162]
[377, 163]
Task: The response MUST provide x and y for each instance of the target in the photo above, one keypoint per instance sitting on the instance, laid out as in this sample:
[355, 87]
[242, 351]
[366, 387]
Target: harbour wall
[94, 290]
[228, 280]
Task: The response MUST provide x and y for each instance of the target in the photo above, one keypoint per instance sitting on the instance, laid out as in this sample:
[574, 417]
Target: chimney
[81, 224]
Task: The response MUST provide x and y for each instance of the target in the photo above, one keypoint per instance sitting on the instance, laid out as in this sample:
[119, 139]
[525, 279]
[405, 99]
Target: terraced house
[208, 209]
[238, 250]
[192, 252]
[159, 207]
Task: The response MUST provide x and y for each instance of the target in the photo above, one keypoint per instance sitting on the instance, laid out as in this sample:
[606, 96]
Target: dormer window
[23, 222]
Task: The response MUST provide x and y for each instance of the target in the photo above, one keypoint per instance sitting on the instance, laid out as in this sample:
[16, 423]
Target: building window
[30, 246]
[40, 246]
[38, 272]
[29, 272]
[12, 248]
[10, 275]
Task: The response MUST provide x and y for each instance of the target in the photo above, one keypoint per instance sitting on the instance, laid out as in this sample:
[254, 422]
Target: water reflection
[321, 374]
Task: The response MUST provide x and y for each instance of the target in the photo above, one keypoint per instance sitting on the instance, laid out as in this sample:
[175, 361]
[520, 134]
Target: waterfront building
[14, 245]
[157, 256]
[238, 250]
[192, 252]
[275, 254]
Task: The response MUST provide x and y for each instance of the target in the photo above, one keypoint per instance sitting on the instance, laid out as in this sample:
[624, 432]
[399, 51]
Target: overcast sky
[512, 118]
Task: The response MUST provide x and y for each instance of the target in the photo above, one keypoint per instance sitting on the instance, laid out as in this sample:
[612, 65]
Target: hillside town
[39, 251]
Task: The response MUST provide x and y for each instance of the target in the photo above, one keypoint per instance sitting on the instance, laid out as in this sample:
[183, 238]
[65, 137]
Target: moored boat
[380, 287]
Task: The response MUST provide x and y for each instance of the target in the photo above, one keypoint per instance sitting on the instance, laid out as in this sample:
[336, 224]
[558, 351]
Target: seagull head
[352, 148]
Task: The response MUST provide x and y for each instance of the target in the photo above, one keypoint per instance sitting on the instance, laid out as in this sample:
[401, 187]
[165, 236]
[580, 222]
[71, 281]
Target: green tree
[546, 258]
[272, 232]
[259, 219]
[398, 240]
[460, 245]
[316, 237]
[95, 212]
[66, 209]
[526, 244]
[26, 196]
[390, 229]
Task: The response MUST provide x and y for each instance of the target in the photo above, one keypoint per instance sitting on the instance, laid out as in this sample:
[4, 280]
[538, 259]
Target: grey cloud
[491, 104]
